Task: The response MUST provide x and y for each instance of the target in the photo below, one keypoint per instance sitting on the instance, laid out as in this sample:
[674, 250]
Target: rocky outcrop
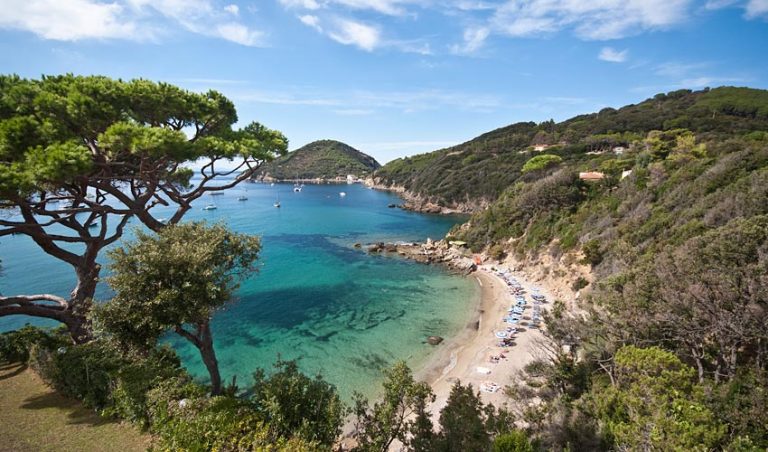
[418, 203]
[452, 254]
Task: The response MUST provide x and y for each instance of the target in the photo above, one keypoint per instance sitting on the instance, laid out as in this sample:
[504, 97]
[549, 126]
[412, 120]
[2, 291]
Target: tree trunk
[209, 356]
[79, 327]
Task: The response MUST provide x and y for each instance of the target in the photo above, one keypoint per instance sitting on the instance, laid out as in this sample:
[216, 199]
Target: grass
[36, 418]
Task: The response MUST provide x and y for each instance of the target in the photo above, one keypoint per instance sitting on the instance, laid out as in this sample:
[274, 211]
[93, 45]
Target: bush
[541, 162]
[103, 378]
[514, 441]
[219, 423]
[593, 255]
[295, 404]
[579, 284]
[15, 346]
[497, 252]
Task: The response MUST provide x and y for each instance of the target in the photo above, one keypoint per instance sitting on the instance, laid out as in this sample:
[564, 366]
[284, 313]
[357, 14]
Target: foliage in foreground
[287, 411]
[173, 280]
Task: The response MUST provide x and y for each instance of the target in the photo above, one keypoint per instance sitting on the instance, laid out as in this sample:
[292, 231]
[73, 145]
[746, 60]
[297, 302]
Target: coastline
[459, 359]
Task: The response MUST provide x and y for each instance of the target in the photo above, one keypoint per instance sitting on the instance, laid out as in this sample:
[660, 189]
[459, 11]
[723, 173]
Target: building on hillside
[540, 147]
[625, 173]
[618, 150]
[591, 176]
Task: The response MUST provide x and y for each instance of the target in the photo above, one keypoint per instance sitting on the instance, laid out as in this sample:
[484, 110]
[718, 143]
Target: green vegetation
[81, 156]
[324, 159]
[480, 170]
[176, 278]
[669, 351]
[541, 162]
[671, 354]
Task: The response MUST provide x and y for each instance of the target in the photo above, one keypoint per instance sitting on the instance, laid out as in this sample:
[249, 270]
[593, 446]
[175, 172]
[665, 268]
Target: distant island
[321, 161]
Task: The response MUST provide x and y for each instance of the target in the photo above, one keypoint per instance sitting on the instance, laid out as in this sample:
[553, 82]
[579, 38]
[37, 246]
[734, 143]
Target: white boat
[277, 201]
[242, 198]
[296, 188]
[210, 207]
[272, 184]
[342, 194]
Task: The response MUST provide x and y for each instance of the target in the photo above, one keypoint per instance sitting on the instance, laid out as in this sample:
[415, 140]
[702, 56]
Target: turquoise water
[316, 298]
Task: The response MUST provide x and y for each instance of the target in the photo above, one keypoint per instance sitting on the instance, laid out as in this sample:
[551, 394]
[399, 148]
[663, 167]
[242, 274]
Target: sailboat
[296, 187]
[277, 201]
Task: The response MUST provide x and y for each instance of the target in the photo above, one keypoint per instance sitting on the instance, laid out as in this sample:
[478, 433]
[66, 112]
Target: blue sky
[397, 77]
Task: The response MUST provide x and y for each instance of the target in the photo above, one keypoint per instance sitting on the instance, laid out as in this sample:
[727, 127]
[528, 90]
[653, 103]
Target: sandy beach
[459, 357]
[473, 348]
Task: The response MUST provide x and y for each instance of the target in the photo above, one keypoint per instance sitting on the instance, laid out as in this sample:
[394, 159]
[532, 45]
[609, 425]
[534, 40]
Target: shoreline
[473, 347]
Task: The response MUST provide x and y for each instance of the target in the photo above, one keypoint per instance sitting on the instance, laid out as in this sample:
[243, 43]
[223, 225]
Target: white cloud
[239, 34]
[387, 7]
[718, 4]
[311, 21]
[474, 39]
[136, 20]
[70, 20]
[200, 16]
[306, 4]
[612, 55]
[593, 20]
[757, 8]
[753, 9]
[349, 32]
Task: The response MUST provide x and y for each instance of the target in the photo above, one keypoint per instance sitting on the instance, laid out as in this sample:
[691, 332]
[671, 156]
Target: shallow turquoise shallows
[316, 298]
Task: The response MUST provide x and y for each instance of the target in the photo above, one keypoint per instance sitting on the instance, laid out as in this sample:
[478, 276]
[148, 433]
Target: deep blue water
[316, 298]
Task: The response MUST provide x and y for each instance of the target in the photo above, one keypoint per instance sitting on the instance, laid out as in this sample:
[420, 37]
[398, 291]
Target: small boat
[342, 194]
[277, 201]
[272, 184]
[217, 193]
[242, 198]
[210, 207]
[296, 188]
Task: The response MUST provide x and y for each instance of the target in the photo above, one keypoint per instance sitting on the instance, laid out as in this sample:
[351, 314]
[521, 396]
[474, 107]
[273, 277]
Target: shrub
[593, 255]
[497, 252]
[219, 423]
[293, 403]
[579, 284]
[16, 345]
[104, 378]
[541, 162]
[514, 441]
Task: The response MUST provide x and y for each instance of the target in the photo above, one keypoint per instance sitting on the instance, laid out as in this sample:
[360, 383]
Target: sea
[316, 298]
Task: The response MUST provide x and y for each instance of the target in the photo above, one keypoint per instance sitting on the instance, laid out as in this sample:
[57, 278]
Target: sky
[397, 77]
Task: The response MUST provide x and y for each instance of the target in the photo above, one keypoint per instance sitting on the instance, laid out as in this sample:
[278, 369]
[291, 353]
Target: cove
[317, 299]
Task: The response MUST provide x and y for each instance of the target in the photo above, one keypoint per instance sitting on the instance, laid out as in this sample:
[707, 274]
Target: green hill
[667, 246]
[481, 169]
[324, 159]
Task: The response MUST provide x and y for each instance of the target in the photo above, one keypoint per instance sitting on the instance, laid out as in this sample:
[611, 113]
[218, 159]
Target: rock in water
[434, 340]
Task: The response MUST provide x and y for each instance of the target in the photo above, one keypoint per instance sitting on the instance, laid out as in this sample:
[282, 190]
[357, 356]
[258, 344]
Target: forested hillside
[478, 171]
[676, 234]
[323, 159]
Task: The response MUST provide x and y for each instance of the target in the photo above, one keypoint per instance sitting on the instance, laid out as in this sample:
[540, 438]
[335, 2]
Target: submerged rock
[434, 340]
